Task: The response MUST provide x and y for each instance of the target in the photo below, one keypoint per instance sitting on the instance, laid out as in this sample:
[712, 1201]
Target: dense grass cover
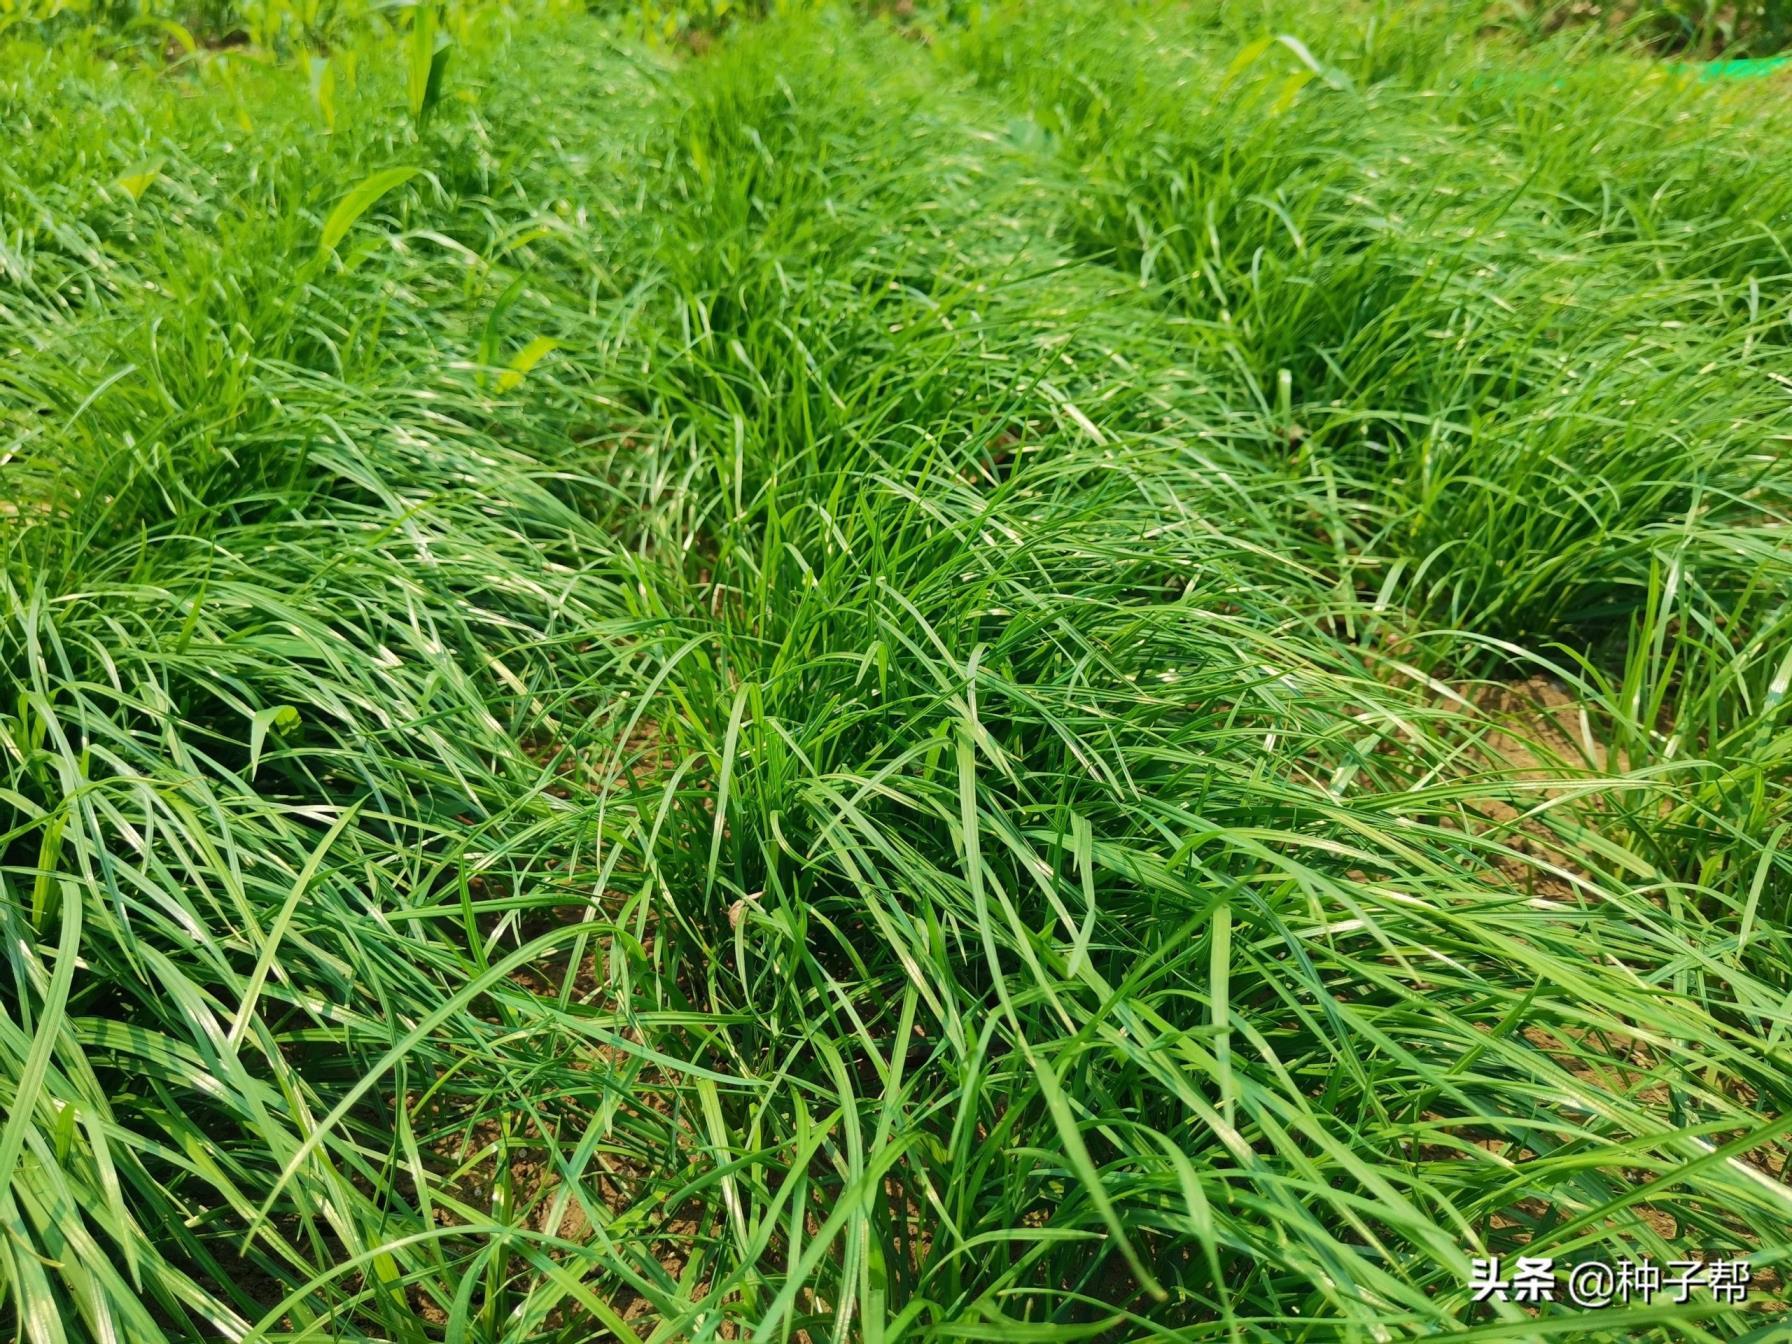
[1059, 673]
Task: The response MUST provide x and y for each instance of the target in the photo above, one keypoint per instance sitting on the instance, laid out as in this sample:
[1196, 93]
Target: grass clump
[823, 690]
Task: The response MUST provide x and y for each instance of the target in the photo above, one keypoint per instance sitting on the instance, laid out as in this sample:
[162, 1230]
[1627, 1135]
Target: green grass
[850, 687]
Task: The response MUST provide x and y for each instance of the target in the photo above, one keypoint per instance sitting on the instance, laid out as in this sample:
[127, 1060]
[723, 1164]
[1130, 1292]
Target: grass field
[1043, 673]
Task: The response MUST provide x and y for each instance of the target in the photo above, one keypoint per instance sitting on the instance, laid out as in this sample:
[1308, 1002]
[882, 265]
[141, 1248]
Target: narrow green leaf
[270, 944]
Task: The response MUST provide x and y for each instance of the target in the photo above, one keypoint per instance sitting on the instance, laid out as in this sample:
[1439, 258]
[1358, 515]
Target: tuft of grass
[858, 688]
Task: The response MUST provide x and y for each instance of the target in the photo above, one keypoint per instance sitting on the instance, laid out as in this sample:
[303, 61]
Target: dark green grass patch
[809, 691]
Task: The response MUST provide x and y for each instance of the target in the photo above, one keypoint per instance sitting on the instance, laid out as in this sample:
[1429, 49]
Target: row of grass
[859, 688]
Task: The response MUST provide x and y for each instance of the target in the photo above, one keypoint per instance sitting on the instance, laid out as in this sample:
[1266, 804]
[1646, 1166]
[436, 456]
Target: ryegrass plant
[821, 691]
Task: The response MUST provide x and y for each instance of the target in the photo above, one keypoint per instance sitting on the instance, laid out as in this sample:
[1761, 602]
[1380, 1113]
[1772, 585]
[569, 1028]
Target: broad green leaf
[179, 32]
[358, 201]
[524, 360]
[49, 850]
[323, 88]
[283, 717]
[1289, 89]
[135, 184]
[1246, 57]
[426, 61]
